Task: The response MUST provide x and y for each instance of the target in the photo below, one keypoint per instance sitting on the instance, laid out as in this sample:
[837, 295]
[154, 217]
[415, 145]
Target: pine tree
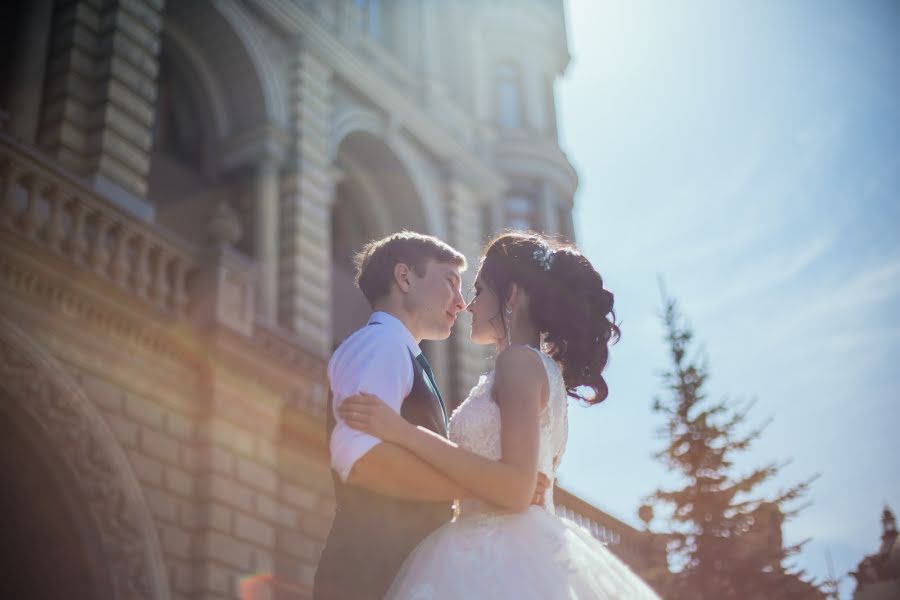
[724, 536]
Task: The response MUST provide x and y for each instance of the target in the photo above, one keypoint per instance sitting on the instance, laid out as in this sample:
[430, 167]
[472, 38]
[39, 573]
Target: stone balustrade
[640, 550]
[65, 215]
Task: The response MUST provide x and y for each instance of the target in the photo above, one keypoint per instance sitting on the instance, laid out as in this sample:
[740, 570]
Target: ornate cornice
[105, 311]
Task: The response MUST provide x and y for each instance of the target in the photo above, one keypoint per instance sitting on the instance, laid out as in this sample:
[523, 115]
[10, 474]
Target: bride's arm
[394, 471]
[519, 390]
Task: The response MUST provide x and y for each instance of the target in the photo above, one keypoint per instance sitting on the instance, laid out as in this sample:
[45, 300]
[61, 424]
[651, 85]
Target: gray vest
[372, 534]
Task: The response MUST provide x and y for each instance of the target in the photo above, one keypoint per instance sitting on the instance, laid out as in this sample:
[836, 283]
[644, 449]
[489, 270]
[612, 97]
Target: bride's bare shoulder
[520, 365]
[517, 356]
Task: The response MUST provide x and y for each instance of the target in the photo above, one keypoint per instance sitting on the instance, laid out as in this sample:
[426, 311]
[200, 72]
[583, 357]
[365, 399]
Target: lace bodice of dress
[475, 426]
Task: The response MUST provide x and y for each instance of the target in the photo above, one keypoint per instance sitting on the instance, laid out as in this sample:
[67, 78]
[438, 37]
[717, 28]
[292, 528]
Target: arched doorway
[375, 196]
[46, 554]
[77, 520]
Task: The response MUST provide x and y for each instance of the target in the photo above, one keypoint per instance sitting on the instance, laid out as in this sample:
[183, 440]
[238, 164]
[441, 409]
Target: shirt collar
[389, 320]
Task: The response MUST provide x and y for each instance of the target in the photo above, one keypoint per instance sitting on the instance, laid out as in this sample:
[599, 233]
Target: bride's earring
[508, 327]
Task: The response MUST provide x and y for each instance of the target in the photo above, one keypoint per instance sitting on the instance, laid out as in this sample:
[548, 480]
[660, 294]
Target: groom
[388, 500]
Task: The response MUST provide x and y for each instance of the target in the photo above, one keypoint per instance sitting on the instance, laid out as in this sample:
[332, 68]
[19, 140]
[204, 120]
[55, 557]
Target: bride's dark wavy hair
[567, 302]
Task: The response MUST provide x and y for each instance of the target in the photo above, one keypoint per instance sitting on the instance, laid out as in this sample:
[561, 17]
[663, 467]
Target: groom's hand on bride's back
[540, 490]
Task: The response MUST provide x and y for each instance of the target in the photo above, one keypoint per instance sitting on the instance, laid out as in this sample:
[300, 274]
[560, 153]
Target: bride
[546, 312]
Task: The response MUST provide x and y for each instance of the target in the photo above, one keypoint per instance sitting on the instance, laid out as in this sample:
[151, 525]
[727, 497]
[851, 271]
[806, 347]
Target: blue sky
[750, 154]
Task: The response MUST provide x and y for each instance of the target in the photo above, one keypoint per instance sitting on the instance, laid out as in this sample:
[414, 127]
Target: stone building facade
[182, 186]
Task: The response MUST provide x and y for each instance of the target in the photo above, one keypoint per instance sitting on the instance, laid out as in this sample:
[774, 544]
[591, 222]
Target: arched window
[519, 212]
[508, 95]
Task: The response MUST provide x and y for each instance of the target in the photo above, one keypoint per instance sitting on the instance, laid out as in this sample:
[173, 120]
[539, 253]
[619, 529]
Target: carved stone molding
[35, 283]
[35, 384]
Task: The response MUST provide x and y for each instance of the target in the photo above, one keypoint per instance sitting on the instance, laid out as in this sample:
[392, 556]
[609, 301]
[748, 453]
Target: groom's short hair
[376, 261]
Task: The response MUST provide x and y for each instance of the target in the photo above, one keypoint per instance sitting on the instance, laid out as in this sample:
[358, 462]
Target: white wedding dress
[492, 554]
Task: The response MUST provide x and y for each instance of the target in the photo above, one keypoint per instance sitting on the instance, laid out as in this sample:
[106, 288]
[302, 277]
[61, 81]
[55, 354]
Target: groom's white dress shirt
[373, 359]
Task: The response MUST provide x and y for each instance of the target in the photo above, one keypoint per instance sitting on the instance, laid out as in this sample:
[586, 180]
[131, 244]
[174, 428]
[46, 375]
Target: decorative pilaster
[306, 201]
[234, 460]
[236, 469]
[101, 95]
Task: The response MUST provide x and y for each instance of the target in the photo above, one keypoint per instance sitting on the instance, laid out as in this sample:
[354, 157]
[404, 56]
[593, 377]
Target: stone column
[567, 221]
[497, 215]
[306, 202]
[532, 92]
[266, 199]
[466, 234]
[549, 209]
[101, 94]
[430, 40]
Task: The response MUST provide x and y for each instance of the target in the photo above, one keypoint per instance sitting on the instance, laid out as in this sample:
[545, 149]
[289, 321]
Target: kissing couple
[399, 459]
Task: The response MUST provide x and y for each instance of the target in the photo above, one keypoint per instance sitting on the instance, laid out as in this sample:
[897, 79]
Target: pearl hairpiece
[544, 256]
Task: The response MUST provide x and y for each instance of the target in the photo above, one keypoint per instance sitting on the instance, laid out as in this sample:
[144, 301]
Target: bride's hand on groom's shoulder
[367, 413]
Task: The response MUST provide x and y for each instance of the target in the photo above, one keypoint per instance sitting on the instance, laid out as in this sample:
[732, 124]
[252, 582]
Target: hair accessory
[544, 256]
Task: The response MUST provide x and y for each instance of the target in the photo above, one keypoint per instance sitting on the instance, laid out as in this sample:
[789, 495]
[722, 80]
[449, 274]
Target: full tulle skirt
[529, 555]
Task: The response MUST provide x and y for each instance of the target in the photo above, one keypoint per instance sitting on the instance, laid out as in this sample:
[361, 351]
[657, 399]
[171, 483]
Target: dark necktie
[427, 368]
[423, 362]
